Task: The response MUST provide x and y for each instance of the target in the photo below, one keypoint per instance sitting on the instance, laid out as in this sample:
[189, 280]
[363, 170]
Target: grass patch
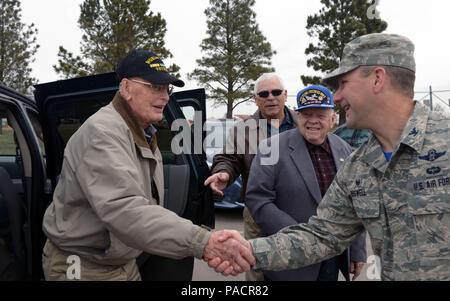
[7, 144]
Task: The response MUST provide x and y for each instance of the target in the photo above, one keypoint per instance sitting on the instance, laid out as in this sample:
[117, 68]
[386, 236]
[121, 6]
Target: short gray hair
[402, 79]
[267, 76]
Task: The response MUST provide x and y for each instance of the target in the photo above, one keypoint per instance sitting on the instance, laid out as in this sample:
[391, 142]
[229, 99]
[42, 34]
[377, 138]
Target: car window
[7, 142]
[189, 114]
[69, 116]
[37, 128]
[164, 137]
[10, 175]
[216, 134]
[193, 114]
[11, 157]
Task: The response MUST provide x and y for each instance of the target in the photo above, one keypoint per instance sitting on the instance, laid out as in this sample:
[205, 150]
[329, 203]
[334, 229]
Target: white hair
[267, 76]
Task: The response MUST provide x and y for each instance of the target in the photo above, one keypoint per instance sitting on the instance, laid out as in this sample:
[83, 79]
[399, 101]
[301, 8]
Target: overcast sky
[282, 22]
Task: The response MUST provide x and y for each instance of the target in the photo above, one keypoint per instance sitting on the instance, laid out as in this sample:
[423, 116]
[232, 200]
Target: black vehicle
[352, 136]
[33, 136]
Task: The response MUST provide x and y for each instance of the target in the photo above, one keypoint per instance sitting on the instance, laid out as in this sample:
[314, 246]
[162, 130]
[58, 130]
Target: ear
[333, 118]
[125, 88]
[379, 79]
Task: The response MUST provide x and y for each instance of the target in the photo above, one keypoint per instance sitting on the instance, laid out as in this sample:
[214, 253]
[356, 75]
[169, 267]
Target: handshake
[228, 253]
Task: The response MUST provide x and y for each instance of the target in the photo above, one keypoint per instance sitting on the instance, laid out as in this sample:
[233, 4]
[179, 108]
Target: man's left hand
[355, 269]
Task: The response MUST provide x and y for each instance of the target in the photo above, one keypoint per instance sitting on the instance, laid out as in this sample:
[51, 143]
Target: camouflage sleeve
[326, 235]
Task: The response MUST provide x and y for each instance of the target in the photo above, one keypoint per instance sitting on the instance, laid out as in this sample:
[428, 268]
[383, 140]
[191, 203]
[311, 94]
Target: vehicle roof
[11, 93]
[76, 85]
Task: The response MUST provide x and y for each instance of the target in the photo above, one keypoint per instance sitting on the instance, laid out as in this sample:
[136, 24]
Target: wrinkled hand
[355, 269]
[218, 181]
[228, 253]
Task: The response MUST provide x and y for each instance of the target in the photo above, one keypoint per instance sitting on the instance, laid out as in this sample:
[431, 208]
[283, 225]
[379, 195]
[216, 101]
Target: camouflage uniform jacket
[403, 204]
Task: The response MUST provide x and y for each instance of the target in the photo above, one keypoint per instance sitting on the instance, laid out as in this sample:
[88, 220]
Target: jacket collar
[292, 115]
[414, 133]
[123, 108]
[302, 161]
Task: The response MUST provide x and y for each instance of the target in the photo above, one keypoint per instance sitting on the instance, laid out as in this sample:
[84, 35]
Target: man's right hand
[228, 253]
[218, 181]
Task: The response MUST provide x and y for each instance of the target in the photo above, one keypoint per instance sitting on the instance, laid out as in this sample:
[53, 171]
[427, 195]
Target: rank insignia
[414, 132]
[433, 155]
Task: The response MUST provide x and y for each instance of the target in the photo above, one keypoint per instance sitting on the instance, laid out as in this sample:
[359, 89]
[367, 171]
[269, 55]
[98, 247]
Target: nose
[313, 119]
[165, 96]
[337, 97]
[270, 95]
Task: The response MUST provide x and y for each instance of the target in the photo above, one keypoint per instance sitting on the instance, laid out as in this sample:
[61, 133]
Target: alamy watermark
[74, 270]
[373, 267]
[243, 136]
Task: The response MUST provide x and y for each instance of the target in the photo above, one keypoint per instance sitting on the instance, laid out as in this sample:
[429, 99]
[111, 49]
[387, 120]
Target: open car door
[22, 184]
[65, 105]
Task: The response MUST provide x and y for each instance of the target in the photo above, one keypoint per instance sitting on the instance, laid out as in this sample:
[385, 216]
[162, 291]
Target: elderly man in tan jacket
[104, 209]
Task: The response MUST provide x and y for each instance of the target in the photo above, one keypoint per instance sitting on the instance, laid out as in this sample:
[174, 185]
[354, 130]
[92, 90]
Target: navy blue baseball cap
[315, 97]
[146, 64]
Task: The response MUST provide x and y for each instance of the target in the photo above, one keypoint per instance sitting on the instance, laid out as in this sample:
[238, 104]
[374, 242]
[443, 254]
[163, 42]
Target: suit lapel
[302, 161]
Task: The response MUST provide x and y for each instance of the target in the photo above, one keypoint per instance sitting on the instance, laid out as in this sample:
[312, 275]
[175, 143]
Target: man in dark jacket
[271, 117]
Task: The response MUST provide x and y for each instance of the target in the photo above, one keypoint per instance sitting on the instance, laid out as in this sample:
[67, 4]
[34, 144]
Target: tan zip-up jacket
[102, 208]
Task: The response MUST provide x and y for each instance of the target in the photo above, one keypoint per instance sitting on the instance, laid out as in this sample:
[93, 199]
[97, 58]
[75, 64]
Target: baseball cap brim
[315, 106]
[163, 78]
[331, 78]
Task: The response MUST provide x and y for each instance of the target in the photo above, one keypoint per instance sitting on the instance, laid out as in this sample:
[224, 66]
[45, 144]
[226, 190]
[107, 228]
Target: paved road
[225, 219]
[232, 219]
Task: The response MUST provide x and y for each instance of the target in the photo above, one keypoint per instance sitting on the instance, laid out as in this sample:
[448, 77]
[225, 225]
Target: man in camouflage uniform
[396, 185]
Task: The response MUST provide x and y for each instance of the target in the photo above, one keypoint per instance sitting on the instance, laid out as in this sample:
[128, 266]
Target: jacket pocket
[419, 205]
[431, 218]
[367, 207]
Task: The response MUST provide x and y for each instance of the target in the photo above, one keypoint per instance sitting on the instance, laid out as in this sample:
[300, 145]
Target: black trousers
[329, 270]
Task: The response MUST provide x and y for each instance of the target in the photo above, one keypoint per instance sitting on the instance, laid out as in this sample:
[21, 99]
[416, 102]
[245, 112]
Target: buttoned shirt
[286, 125]
[404, 204]
[322, 160]
[150, 136]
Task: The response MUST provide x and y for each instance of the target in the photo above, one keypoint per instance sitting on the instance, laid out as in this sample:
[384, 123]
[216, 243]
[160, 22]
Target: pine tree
[113, 28]
[17, 47]
[235, 53]
[336, 24]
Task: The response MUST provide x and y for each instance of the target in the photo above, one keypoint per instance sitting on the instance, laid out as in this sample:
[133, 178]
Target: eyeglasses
[156, 88]
[265, 94]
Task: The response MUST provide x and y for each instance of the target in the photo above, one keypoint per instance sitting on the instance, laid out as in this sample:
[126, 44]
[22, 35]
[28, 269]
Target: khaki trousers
[251, 230]
[56, 268]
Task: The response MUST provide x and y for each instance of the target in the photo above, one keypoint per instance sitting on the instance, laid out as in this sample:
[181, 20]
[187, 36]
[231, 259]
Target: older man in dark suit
[289, 191]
